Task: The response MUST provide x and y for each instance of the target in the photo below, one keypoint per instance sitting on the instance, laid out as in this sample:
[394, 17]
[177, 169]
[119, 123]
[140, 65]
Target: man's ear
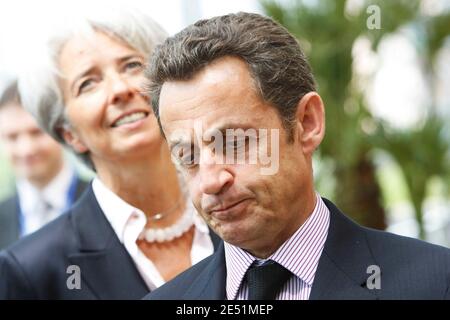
[72, 139]
[310, 121]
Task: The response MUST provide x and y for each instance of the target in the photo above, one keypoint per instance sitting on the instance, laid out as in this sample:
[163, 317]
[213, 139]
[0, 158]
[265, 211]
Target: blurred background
[383, 71]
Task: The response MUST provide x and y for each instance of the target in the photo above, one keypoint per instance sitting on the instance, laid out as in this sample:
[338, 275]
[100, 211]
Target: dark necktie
[265, 281]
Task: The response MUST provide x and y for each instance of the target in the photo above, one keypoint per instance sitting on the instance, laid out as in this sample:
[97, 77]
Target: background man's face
[33, 154]
[246, 208]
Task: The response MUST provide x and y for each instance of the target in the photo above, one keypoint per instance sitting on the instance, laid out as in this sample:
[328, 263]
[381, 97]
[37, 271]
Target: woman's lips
[131, 125]
[129, 118]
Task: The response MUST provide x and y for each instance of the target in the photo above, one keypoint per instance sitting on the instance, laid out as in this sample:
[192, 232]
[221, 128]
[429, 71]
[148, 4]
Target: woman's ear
[72, 139]
[311, 122]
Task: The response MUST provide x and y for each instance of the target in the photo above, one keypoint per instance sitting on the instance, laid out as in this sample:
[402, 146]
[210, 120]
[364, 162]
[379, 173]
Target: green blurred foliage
[6, 178]
[327, 31]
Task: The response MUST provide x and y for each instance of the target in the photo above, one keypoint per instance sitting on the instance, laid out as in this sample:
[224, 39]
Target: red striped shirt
[299, 254]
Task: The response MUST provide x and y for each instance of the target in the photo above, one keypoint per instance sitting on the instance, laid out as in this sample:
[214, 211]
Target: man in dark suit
[45, 184]
[11, 214]
[225, 90]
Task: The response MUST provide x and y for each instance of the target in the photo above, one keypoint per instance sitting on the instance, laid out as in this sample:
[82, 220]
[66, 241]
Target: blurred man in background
[45, 184]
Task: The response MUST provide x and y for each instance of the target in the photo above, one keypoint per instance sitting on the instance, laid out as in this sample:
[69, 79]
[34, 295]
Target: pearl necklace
[174, 231]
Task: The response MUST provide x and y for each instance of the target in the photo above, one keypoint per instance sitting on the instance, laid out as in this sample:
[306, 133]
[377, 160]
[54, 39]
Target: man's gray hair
[39, 87]
[276, 62]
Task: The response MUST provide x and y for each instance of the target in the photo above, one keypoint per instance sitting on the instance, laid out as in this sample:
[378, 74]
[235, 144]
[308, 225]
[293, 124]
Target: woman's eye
[84, 85]
[134, 65]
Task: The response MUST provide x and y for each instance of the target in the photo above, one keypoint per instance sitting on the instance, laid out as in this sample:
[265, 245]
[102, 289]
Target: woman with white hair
[134, 228]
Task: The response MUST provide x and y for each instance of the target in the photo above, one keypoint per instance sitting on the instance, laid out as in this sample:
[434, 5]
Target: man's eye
[12, 137]
[237, 143]
[188, 160]
[186, 156]
[36, 132]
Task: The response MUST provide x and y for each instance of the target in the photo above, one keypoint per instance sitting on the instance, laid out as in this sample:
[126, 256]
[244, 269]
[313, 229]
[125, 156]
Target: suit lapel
[81, 186]
[105, 265]
[9, 221]
[210, 284]
[332, 283]
[110, 274]
[215, 239]
[342, 270]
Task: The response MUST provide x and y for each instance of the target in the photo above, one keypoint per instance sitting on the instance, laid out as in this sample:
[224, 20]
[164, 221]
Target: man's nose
[25, 146]
[214, 177]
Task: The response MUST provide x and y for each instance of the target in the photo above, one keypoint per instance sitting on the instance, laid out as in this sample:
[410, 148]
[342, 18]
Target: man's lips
[226, 210]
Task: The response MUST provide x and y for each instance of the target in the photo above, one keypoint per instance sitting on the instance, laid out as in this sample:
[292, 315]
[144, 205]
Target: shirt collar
[116, 210]
[299, 254]
[55, 192]
[119, 213]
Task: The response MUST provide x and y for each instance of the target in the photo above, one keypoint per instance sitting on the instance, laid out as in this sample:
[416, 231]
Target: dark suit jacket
[36, 266]
[9, 216]
[410, 269]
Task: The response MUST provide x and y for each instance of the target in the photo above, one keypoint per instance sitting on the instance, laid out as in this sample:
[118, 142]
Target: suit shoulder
[33, 251]
[388, 246]
[7, 203]
[7, 199]
[409, 255]
[379, 240]
[175, 289]
[7, 210]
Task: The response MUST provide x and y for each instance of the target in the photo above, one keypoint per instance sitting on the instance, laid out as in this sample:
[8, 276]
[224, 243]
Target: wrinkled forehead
[84, 47]
[221, 94]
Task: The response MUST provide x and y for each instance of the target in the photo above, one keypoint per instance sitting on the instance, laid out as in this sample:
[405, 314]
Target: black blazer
[9, 216]
[36, 266]
[410, 269]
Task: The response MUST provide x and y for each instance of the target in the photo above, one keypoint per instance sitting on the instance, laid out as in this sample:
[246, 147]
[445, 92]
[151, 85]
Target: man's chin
[36, 176]
[234, 236]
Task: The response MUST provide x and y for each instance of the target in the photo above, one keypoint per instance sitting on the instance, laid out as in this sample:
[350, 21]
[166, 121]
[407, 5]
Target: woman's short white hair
[39, 87]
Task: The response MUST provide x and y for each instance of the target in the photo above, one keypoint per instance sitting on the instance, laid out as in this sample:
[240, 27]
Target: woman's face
[101, 82]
